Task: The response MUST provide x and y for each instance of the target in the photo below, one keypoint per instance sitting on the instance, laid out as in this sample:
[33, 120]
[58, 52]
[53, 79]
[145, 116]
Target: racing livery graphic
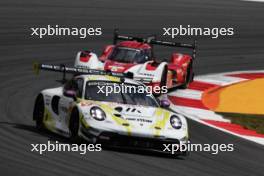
[135, 56]
[125, 119]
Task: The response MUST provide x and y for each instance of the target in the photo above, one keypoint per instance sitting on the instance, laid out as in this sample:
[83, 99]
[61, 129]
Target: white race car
[80, 109]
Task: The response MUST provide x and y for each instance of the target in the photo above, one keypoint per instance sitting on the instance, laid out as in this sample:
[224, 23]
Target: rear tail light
[85, 59]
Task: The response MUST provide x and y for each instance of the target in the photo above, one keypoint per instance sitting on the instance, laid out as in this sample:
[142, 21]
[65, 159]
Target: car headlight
[175, 122]
[97, 113]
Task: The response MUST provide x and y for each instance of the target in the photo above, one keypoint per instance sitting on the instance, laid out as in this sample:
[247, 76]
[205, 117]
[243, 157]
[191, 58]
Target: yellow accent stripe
[107, 77]
[83, 121]
[48, 120]
[112, 78]
[118, 120]
[160, 124]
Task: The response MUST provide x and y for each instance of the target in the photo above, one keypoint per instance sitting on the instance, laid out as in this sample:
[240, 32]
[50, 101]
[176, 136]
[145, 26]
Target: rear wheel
[38, 114]
[189, 76]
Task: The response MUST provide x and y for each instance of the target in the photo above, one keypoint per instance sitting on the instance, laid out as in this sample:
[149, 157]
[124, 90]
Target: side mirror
[70, 94]
[164, 103]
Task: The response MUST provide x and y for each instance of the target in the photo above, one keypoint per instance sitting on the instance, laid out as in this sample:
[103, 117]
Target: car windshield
[100, 91]
[129, 55]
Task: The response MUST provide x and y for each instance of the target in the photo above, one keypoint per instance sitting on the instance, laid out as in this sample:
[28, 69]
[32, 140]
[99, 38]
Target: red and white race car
[134, 56]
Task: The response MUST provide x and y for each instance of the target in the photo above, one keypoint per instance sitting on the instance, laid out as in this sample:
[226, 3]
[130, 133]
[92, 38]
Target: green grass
[248, 121]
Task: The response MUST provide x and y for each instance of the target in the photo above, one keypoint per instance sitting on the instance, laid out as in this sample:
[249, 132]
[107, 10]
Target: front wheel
[38, 114]
[74, 126]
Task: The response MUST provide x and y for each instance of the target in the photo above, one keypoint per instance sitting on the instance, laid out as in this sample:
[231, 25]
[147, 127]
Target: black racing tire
[189, 76]
[163, 80]
[74, 126]
[38, 113]
[186, 153]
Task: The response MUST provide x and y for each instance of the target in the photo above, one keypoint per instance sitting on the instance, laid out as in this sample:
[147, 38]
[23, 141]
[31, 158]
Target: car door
[66, 103]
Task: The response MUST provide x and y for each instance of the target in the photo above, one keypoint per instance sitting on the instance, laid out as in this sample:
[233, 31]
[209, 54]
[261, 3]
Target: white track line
[199, 113]
[187, 93]
[220, 80]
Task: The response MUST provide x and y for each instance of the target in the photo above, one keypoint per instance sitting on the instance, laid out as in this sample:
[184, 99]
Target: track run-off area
[209, 96]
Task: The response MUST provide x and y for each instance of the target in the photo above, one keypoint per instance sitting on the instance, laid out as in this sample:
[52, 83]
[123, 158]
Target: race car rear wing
[152, 41]
[63, 69]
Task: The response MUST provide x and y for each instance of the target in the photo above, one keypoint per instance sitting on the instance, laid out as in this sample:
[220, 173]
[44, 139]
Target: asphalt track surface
[18, 85]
